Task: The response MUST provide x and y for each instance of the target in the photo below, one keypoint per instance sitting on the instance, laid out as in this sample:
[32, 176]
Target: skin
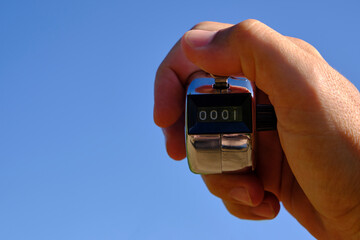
[312, 162]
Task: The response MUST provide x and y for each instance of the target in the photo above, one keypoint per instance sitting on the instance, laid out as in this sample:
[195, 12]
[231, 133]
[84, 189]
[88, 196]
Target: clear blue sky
[80, 157]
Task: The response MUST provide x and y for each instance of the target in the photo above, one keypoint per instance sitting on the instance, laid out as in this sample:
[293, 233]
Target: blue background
[80, 157]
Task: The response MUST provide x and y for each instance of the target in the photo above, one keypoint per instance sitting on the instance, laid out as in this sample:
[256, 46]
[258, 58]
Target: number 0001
[218, 115]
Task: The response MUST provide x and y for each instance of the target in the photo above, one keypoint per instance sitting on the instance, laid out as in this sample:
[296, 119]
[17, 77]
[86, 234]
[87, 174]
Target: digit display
[219, 113]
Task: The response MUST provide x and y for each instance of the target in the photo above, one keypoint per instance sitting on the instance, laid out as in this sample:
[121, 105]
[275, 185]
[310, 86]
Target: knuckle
[248, 25]
[305, 46]
[249, 22]
[311, 48]
[249, 30]
[300, 41]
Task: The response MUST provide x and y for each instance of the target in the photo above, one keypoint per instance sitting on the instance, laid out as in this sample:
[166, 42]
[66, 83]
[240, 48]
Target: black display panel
[219, 113]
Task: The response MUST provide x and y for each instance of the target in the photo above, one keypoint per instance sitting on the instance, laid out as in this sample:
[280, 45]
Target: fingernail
[241, 195]
[199, 38]
[264, 210]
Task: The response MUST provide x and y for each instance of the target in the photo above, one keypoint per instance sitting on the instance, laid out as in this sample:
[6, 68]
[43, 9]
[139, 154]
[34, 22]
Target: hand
[312, 163]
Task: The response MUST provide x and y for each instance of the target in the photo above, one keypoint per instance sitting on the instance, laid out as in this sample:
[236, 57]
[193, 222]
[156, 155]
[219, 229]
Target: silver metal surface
[236, 152]
[204, 153]
[220, 153]
[221, 82]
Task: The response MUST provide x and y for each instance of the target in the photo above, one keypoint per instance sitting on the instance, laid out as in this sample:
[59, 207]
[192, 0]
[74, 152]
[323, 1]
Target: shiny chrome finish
[220, 153]
[236, 152]
[204, 153]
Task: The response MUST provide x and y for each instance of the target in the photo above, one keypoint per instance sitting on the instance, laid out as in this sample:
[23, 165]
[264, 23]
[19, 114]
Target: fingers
[250, 47]
[243, 195]
[171, 77]
[272, 60]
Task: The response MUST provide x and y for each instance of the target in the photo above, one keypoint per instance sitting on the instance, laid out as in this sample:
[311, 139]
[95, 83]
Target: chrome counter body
[220, 153]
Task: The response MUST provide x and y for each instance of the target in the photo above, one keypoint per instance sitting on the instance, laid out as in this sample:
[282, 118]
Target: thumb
[280, 67]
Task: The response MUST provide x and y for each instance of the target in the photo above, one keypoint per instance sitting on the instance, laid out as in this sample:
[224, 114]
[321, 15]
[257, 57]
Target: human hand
[312, 163]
